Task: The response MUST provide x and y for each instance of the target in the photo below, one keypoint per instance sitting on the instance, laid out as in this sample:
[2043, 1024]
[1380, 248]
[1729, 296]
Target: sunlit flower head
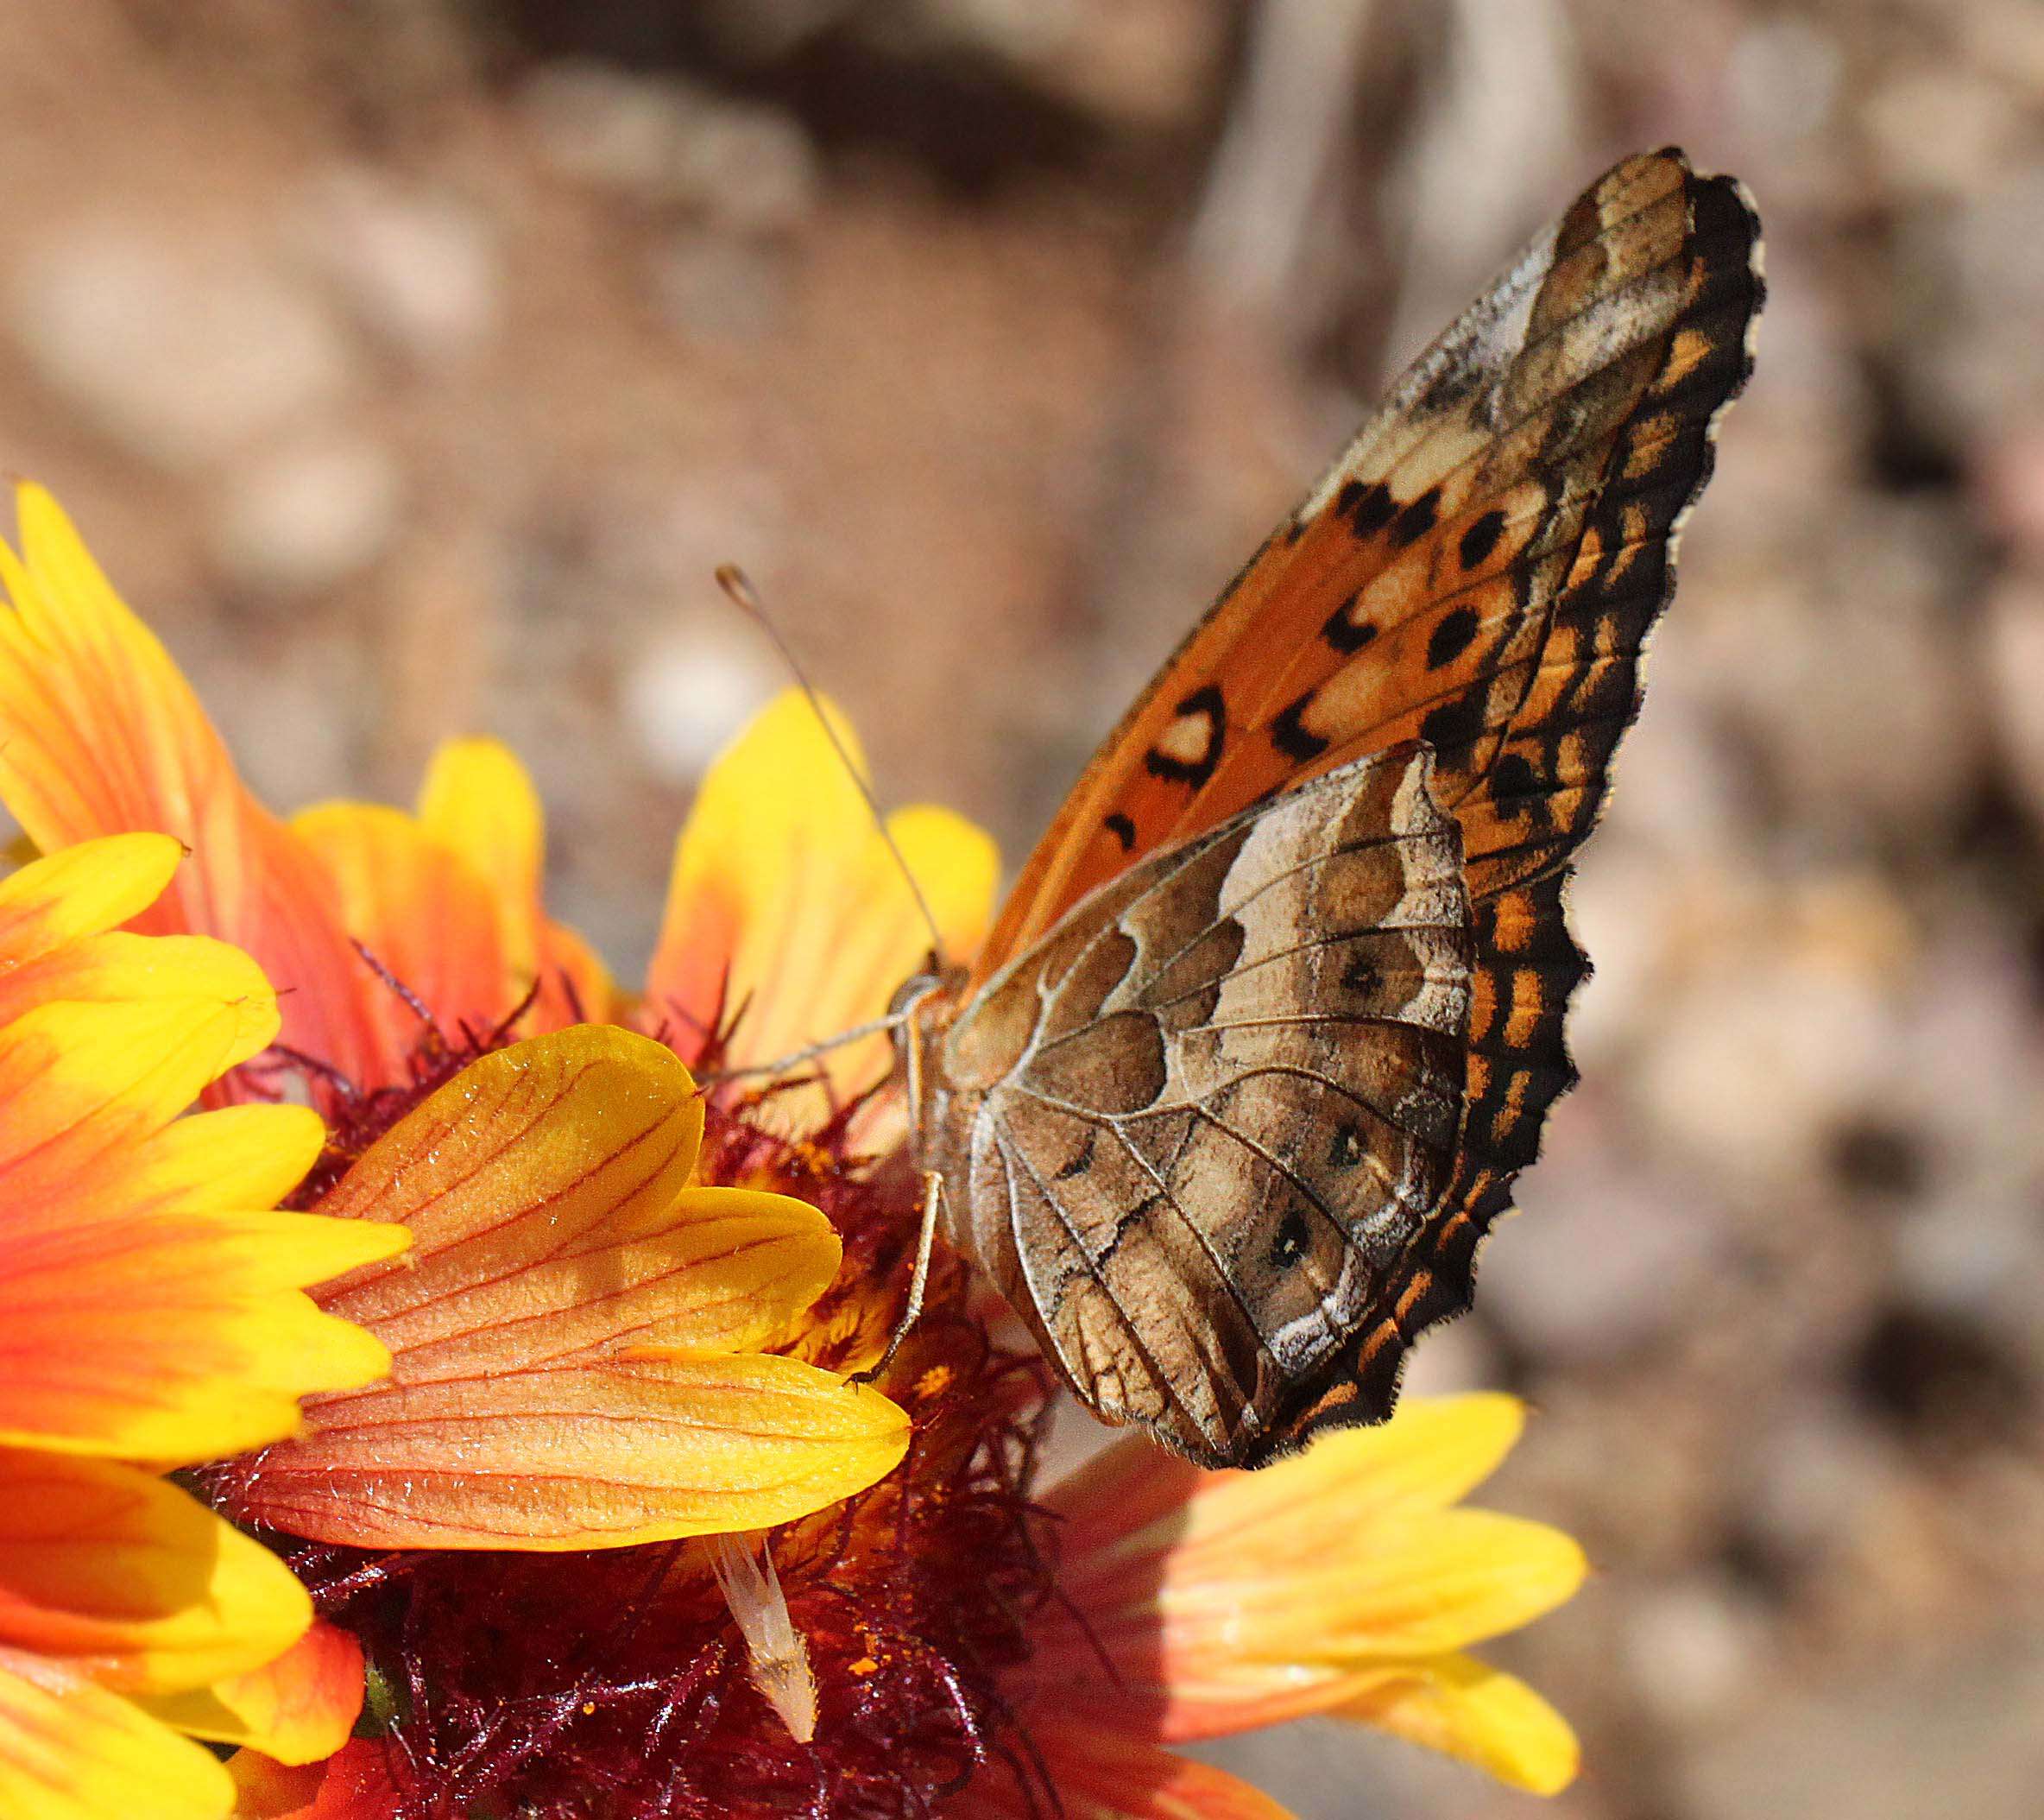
[617, 1537]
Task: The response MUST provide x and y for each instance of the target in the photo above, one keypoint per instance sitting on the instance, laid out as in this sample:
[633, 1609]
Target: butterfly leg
[933, 1189]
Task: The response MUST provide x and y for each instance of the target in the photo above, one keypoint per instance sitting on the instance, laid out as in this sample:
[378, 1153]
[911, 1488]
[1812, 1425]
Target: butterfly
[1273, 1014]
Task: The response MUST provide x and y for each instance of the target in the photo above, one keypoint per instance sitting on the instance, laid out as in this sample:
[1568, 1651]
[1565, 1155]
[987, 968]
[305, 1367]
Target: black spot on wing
[1294, 1237]
[1344, 632]
[1416, 520]
[1367, 508]
[1454, 633]
[1122, 829]
[1456, 723]
[1292, 737]
[1514, 784]
[1481, 538]
[1345, 1149]
[1080, 1162]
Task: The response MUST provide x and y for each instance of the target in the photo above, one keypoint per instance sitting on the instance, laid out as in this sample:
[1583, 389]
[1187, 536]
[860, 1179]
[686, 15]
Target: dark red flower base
[614, 1685]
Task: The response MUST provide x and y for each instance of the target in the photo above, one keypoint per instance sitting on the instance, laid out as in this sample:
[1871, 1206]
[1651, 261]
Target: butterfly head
[921, 999]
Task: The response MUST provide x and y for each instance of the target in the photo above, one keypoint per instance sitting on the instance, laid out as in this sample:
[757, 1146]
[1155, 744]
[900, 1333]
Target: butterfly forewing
[1535, 459]
[1199, 1123]
[1477, 573]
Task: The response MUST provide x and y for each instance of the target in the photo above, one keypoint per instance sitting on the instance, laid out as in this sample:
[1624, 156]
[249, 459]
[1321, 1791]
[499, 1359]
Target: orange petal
[1233, 1600]
[576, 987]
[1420, 1586]
[297, 1709]
[601, 1455]
[422, 911]
[786, 902]
[71, 1750]
[353, 1785]
[129, 1580]
[543, 1189]
[546, 1189]
[1102, 1775]
[100, 734]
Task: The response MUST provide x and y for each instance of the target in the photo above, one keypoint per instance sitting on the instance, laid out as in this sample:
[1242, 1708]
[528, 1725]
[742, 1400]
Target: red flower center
[615, 1685]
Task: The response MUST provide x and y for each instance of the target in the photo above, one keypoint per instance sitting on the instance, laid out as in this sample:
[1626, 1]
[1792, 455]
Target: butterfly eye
[910, 993]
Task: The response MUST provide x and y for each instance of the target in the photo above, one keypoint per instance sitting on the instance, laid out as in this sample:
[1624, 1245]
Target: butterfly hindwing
[1477, 574]
[1197, 1125]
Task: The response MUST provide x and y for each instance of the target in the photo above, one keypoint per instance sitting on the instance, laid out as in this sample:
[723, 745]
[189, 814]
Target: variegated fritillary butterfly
[1273, 1016]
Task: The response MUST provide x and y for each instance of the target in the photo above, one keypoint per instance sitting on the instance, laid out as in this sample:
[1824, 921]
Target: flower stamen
[780, 1655]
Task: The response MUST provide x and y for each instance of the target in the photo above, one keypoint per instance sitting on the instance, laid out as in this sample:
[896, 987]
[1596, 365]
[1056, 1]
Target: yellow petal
[543, 1191]
[1230, 1600]
[125, 1578]
[479, 801]
[139, 1316]
[1423, 1586]
[81, 1080]
[420, 910]
[239, 1156]
[1468, 1710]
[786, 902]
[176, 1339]
[602, 1454]
[958, 866]
[297, 1709]
[83, 890]
[100, 734]
[1431, 1453]
[70, 1750]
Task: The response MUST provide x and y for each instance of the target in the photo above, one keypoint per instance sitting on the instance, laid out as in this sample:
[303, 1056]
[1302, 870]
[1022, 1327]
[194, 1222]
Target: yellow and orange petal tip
[296, 1709]
[1467, 1709]
[265, 1789]
[134, 1580]
[786, 898]
[83, 890]
[73, 1750]
[479, 799]
[650, 1446]
[198, 1341]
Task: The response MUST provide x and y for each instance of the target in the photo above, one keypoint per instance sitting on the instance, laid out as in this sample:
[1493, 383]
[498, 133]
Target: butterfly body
[1273, 1014]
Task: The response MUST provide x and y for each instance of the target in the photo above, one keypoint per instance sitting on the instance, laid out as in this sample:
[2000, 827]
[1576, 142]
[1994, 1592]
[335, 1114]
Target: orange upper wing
[1479, 570]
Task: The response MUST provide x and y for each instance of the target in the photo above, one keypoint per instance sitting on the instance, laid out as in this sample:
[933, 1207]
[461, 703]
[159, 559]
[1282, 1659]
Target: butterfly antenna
[734, 582]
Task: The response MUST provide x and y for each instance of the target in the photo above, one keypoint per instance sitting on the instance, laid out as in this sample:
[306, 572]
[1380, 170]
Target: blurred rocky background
[412, 363]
